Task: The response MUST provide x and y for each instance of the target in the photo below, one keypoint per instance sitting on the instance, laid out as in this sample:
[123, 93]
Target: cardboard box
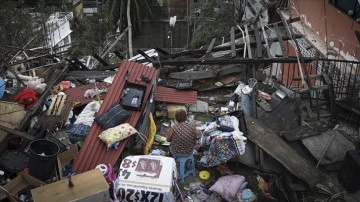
[88, 186]
[172, 108]
[64, 158]
[21, 182]
[153, 177]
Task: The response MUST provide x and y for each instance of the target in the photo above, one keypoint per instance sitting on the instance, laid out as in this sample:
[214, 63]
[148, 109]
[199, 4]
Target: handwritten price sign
[132, 195]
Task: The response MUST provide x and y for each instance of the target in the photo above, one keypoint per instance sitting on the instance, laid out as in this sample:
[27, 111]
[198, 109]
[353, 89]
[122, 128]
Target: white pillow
[112, 135]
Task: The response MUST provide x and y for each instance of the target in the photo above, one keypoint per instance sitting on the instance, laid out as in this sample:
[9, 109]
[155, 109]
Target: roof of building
[170, 95]
[77, 94]
[94, 151]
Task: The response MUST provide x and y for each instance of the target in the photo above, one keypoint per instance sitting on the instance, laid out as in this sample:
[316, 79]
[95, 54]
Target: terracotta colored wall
[339, 25]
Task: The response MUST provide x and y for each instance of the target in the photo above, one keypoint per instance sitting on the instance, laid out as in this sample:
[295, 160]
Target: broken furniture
[87, 186]
[61, 105]
[183, 172]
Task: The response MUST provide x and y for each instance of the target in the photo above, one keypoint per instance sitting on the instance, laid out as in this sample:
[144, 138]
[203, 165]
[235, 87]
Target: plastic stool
[182, 167]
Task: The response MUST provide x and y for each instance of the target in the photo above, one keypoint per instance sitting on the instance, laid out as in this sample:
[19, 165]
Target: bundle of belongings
[222, 140]
[81, 127]
[115, 128]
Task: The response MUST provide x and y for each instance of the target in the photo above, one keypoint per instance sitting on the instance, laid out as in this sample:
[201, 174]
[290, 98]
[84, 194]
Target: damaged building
[274, 104]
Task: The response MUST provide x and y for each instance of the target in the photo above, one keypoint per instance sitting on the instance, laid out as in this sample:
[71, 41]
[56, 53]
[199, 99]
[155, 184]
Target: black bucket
[14, 160]
[42, 158]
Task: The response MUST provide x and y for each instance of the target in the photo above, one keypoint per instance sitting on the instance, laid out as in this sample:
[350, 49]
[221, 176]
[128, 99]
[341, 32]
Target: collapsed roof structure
[310, 93]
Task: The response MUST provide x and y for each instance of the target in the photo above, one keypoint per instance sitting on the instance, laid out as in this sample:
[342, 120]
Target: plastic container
[14, 160]
[42, 158]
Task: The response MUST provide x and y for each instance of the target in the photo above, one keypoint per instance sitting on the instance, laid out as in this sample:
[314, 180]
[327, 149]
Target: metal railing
[343, 74]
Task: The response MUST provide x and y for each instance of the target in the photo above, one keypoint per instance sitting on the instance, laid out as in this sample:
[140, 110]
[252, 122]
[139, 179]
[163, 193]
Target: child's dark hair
[180, 115]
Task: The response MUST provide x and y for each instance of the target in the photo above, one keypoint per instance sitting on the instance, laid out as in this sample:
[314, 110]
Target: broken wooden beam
[225, 61]
[259, 47]
[281, 42]
[313, 76]
[16, 132]
[89, 74]
[119, 55]
[75, 61]
[98, 58]
[247, 37]
[225, 47]
[331, 92]
[272, 25]
[232, 42]
[146, 56]
[162, 51]
[211, 46]
[276, 147]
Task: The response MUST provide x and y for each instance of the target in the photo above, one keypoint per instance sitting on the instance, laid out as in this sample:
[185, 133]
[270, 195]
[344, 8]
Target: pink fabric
[228, 186]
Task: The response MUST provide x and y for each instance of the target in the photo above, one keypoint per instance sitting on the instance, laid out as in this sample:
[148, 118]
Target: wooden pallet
[61, 105]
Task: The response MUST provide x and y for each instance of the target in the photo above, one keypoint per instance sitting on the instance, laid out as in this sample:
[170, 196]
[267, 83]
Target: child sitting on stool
[182, 136]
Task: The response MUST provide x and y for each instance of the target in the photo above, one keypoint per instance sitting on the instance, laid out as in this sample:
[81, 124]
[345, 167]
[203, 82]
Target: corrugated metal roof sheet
[94, 151]
[77, 94]
[170, 95]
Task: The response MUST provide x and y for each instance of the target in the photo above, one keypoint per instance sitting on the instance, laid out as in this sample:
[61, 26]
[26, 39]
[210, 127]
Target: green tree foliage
[211, 19]
[22, 23]
[140, 9]
[16, 27]
[87, 36]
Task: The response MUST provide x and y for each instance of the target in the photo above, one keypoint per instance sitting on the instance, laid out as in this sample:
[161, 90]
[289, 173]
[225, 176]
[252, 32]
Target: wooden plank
[211, 46]
[147, 58]
[15, 132]
[89, 74]
[162, 51]
[259, 48]
[98, 58]
[281, 42]
[282, 152]
[265, 38]
[57, 104]
[313, 76]
[119, 55]
[248, 41]
[88, 186]
[307, 130]
[193, 75]
[61, 105]
[232, 41]
[51, 107]
[309, 111]
[224, 61]
[331, 92]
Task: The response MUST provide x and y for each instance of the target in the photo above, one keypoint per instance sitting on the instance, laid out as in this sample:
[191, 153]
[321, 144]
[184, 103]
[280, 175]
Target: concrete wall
[337, 29]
